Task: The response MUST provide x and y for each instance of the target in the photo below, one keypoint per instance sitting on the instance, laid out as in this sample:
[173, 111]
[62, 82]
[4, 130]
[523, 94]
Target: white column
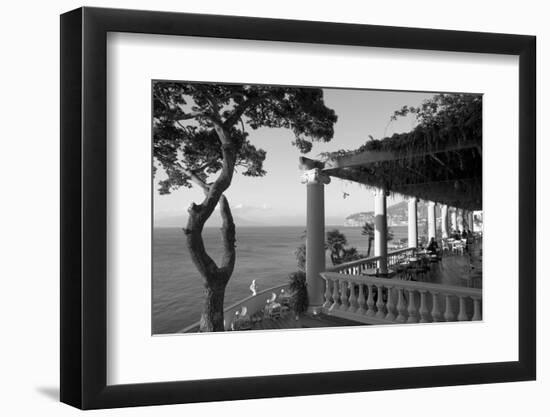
[413, 224]
[315, 236]
[460, 219]
[444, 231]
[380, 230]
[431, 220]
[471, 220]
[454, 224]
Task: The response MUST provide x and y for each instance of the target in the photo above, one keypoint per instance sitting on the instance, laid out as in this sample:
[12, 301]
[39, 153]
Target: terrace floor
[459, 270]
[305, 321]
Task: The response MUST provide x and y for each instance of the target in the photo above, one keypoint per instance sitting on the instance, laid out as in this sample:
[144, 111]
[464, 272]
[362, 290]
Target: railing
[361, 265]
[253, 303]
[356, 267]
[400, 255]
[383, 301]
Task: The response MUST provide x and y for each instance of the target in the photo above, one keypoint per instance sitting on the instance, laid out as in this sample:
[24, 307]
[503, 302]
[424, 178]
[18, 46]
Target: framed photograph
[260, 208]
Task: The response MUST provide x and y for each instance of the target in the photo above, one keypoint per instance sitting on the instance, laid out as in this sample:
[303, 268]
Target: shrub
[298, 289]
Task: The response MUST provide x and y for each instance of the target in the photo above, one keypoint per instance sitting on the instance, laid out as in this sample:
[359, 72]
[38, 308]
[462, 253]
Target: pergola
[439, 164]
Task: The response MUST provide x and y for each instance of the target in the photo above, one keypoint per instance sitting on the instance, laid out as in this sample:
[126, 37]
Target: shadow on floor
[50, 392]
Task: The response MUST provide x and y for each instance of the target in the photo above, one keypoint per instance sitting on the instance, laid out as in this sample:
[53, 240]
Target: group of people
[433, 247]
[466, 233]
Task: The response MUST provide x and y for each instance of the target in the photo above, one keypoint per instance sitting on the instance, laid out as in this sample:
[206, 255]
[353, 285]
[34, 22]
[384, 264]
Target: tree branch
[218, 187]
[239, 111]
[195, 178]
[228, 238]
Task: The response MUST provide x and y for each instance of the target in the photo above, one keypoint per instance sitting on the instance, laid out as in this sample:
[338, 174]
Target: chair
[272, 309]
[242, 320]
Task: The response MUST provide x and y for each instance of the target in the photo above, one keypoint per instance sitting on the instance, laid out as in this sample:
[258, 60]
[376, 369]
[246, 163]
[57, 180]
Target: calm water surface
[265, 254]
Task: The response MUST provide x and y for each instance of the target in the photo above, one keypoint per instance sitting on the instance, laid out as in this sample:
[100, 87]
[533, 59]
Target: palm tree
[350, 254]
[368, 230]
[335, 243]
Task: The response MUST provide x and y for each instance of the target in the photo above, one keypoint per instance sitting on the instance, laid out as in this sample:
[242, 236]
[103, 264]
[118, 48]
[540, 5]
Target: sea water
[265, 254]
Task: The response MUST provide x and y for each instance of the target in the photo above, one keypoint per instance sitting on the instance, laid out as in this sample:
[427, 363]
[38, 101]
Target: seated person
[432, 247]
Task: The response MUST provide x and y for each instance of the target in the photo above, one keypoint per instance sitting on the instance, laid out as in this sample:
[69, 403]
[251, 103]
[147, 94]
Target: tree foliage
[187, 146]
[336, 243]
[444, 110]
[298, 288]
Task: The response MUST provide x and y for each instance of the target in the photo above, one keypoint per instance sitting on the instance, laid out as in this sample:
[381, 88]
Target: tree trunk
[212, 312]
[368, 248]
[215, 278]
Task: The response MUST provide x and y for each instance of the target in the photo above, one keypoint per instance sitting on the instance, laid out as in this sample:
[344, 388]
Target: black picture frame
[84, 207]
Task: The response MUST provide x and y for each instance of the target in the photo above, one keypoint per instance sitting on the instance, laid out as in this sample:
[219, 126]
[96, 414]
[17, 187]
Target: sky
[279, 198]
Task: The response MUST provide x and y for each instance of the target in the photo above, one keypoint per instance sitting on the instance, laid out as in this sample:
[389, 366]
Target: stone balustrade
[356, 267]
[361, 265]
[375, 300]
[400, 255]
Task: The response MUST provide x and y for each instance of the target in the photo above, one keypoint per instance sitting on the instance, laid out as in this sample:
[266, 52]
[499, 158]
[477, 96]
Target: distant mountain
[214, 221]
[398, 215]
[243, 218]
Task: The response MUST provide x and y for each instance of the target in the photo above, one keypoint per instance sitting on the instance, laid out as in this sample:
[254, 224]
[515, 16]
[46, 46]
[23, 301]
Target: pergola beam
[371, 157]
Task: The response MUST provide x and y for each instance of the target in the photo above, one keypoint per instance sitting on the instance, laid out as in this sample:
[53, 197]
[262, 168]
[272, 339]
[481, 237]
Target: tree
[336, 242]
[368, 230]
[200, 139]
[350, 254]
[298, 288]
[445, 110]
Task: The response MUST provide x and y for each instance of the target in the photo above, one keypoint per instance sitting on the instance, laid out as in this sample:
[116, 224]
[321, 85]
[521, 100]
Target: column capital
[431, 203]
[314, 176]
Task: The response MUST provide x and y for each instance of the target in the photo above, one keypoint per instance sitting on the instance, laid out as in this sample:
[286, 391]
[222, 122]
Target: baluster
[477, 309]
[462, 316]
[412, 308]
[401, 307]
[335, 296]
[381, 314]
[436, 313]
[370, 302]
[328, 294]
[449, 315]
[390, 306]
[343, 296]
[424, 313]
[352, 298]
[361, 300]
